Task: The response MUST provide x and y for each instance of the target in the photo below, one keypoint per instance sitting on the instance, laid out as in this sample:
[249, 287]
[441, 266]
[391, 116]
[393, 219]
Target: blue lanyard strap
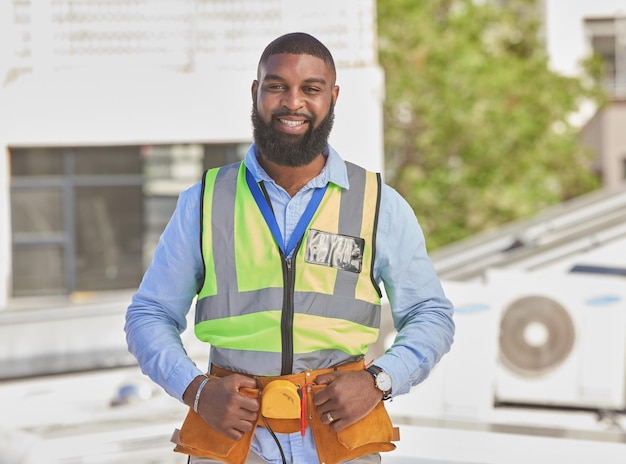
[270, 219]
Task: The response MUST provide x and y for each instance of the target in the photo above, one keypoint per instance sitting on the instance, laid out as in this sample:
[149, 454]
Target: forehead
[299, 67]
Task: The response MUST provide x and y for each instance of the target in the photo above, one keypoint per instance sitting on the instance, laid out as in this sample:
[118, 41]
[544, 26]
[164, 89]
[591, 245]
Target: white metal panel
[592, 375]
[461, 386]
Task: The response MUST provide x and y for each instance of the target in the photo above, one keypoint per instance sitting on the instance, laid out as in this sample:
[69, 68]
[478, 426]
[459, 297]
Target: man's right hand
[222, 405]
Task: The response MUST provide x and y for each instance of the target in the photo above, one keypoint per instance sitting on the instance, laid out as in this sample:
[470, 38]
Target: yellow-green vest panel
[248, 292]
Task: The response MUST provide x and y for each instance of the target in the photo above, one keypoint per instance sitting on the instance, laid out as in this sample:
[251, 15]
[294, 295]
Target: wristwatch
[382, 380]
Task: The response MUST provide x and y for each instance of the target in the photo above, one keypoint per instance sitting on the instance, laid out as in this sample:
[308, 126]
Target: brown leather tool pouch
[197, 438]
[372, 434]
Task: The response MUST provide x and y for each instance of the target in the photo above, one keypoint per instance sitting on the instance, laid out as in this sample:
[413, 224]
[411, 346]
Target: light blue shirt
[421, 312]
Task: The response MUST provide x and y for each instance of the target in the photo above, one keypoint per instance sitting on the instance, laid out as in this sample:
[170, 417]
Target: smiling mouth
[290, 123]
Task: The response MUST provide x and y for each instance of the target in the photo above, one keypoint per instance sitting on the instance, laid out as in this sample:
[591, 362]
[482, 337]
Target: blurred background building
[605, 35]
[548, 294]
[109, 108]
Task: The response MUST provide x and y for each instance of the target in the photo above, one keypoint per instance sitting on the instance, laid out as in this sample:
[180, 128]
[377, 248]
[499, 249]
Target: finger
[328, 418]
[237, 430]
[248, 415]
[319, 399]
[245, 426]
[248, 404]
[248, 394]
[235, 433]
[325, 379]
[338, 425]
[245, 382]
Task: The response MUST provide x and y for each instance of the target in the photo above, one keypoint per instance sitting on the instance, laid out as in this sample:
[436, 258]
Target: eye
[275, 87]
[311, 89]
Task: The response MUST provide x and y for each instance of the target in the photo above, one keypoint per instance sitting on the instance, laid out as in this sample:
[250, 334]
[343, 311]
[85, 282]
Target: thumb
[325, 379]
[246, 382]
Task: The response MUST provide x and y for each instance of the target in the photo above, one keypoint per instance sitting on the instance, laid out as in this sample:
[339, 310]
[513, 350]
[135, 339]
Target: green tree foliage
[477, 128]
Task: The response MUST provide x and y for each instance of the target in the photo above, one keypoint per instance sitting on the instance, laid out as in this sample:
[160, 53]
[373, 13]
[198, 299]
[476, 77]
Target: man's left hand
[348, 397]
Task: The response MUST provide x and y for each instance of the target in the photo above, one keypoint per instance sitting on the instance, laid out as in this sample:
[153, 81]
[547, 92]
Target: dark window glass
[109, 237]
[36, 162]
[38, 270]
[36, 211]
[118, 198]
[106, 160]
[220, 155]
[100, 191]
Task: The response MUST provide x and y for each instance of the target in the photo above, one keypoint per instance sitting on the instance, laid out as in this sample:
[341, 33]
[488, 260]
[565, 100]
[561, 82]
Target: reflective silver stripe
[351, 212]
[263, 363]
[223, 243]
[316, 304]
[350, 219]
[357, 311]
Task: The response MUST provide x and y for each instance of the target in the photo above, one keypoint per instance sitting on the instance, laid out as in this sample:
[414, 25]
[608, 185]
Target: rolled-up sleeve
[422, 314]
[157, 314]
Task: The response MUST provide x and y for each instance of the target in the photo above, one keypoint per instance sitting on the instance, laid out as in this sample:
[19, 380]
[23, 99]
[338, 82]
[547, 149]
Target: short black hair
[298, 43]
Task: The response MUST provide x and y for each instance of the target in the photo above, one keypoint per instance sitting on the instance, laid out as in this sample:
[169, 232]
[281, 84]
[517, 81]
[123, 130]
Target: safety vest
[265, 314]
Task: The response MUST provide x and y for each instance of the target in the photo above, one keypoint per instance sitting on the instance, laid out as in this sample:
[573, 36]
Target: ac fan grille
[532, 358]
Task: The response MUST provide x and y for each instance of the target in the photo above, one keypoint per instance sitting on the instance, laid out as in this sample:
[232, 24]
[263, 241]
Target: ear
[335, 94]
[253, 90]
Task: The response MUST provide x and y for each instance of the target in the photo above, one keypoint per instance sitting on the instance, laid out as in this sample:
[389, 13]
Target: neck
[292, 179]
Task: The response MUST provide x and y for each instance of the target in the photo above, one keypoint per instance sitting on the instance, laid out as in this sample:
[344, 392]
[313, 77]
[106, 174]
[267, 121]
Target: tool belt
[372, 434]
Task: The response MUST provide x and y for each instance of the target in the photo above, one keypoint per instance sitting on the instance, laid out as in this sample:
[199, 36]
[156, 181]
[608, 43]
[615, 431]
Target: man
[285, 253]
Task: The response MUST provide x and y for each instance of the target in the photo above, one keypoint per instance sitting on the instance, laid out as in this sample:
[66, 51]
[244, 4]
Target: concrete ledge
[64, 338]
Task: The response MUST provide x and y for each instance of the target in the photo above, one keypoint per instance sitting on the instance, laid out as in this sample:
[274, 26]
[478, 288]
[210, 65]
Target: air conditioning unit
[469, 369]
[460, 387]
[562, 339]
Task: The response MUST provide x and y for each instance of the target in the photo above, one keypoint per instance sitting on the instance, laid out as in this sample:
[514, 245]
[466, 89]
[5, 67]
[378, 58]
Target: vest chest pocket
[335, 250]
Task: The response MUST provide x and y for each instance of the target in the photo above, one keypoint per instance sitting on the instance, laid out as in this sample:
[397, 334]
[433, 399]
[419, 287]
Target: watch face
[383, 381]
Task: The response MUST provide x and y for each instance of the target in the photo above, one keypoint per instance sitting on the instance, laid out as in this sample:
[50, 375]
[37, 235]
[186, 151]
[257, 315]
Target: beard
[290, 149]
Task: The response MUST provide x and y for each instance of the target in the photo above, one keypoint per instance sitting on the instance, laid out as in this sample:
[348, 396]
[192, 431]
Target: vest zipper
[286, 322]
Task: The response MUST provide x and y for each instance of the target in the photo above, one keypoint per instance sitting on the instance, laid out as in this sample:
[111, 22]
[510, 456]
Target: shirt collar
[334, 170]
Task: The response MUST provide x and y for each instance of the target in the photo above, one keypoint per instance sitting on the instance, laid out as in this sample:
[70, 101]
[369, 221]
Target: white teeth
[292, 123]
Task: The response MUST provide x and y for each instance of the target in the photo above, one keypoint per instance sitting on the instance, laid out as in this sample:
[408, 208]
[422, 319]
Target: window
[606, 37]
[77, 219]
[89, 218]
[170, 169]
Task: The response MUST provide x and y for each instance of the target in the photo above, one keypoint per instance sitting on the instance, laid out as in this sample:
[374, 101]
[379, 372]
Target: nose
[292, 100]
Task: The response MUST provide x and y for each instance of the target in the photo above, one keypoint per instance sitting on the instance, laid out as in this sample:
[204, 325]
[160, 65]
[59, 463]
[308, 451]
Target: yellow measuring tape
[280, 400]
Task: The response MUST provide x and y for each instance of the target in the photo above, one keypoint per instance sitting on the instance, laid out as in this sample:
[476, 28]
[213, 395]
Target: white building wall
[5, 232]
[5, 27]
[71, 74]
[564, 29]
[89, 107]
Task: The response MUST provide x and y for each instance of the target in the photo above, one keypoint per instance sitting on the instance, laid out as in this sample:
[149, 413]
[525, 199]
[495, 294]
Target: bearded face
[291, 150]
